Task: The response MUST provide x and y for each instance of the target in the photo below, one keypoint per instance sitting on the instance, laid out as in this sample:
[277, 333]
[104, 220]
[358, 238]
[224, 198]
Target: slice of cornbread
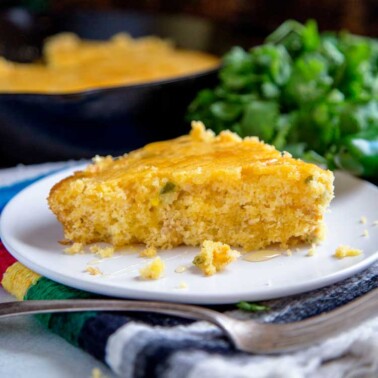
[198, 187]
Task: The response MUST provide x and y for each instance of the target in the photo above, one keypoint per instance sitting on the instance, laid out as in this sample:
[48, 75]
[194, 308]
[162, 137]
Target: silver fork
[247, 335]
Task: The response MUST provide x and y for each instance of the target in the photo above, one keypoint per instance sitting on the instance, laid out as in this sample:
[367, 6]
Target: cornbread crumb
[288, 252]
[365, 234]
[182, 285]
[148, 252]
[214, 256]
[154, 270]
[346, 251]
[74, 249]
[103, 252]
[311, 251]
[363, 220]
[93, 270]
[97, 373]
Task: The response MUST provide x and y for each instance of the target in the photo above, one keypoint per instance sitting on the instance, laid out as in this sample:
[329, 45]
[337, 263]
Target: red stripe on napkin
[6, 260]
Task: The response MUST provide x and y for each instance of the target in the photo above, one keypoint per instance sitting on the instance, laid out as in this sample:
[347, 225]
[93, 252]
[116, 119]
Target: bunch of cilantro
[313, 95]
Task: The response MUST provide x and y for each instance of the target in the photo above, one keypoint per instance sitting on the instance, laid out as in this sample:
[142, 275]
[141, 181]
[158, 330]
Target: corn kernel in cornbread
[154, 270]
[197, 187]
[346, 251]
[214, 257]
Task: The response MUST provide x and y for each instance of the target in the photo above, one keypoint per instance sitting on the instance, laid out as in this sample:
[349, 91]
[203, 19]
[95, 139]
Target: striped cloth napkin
[150, 345]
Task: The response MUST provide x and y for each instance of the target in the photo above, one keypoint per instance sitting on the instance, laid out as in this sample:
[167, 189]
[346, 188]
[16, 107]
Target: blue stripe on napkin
[7, 192]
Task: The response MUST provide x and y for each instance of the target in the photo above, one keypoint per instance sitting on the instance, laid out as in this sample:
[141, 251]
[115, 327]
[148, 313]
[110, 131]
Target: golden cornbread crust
[197, 187]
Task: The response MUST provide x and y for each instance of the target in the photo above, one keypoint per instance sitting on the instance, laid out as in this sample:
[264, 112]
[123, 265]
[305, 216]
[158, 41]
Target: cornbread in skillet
[71, 64]
[197, 187]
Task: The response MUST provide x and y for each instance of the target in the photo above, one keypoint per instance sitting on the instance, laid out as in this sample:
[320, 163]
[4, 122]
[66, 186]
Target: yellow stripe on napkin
[18, 279]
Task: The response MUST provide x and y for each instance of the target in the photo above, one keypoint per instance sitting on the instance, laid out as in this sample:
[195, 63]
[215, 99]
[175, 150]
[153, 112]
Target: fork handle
[13, 308]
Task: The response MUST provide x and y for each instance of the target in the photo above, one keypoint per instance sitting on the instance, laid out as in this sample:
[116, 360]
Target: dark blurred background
[252, 20]
[259, 16]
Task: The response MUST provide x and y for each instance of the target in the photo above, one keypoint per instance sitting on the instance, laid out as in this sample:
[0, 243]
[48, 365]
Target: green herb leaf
[167, 188]
[306, 92]
[251, 307]
[260, 119]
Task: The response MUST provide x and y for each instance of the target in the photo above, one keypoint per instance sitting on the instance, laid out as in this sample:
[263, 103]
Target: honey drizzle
[262, 255]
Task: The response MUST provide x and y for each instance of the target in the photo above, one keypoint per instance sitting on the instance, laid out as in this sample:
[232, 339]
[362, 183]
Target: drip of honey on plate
[181, 269]
[263, 255]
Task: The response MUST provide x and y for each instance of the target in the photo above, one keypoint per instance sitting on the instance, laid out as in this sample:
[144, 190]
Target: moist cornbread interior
[197, 187]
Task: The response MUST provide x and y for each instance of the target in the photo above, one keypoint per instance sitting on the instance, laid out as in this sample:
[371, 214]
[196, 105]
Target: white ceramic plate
[31, 233]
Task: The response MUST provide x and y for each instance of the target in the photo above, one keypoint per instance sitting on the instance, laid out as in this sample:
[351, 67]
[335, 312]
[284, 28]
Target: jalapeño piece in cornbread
[197, 187]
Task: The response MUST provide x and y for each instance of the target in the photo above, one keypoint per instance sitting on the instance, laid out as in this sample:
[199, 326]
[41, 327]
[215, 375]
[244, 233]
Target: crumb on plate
[346, 251]
[312, 251]
[365, 233]
[154, 270]
[93, 270]
[182, 285]
[214, 256]
[363, 220]
[97, 373]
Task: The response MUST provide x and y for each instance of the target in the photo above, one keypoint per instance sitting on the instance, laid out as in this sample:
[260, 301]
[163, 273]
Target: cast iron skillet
[40, 127]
